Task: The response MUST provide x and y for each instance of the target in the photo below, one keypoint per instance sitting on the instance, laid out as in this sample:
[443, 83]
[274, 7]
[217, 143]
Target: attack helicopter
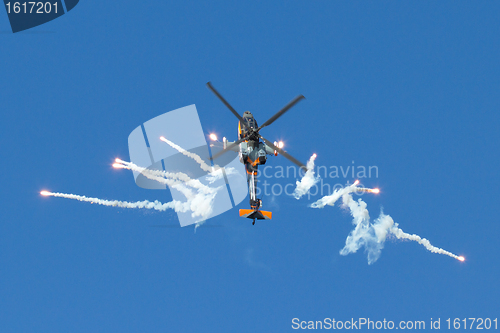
[253, 152]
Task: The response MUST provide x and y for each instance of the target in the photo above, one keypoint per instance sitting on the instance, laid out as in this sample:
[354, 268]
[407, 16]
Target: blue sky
[409, 87]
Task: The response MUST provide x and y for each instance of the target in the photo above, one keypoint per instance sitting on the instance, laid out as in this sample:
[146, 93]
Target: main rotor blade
[284, 153]
[228, 148]
[242, 122]
[282, 111]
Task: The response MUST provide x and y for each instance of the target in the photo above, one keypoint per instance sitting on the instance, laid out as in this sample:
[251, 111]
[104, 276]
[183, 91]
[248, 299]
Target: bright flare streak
[118, 166]
[356, 182]
[213, 137]
[375, 190]
[281, 144]
[461, 258]
[314, 155]
[45, 193]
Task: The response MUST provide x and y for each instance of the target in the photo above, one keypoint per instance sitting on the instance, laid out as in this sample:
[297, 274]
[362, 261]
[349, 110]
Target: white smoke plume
[199, 224]
[369, 235]
[215, 172]
[204, 166]
[178, 206]
[400, 234]
[163, 177]
[199, 197]
[308, 181]
[332, 198]
[219, 174]
[199, 202]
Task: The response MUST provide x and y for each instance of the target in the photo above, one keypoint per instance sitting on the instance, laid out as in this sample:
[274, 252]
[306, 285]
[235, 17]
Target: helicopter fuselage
[252, 153]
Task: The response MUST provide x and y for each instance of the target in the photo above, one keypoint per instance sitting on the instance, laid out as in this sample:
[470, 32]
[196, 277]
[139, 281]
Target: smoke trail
[308, 181]
[400, 234]
[172, 178]
[199, 224]
[332, 198]
[215, 172]
[200, 203]
[219, 174]
[204, 166]
[369, 235]
[156, 205]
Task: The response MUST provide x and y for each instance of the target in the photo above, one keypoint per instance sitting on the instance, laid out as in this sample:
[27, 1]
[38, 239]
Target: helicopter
[253, 152]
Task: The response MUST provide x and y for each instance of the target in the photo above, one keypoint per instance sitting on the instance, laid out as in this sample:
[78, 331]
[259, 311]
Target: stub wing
[232, 146]
[256, 214]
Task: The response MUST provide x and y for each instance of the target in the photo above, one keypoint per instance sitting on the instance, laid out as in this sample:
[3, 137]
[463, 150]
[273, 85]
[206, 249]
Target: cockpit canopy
[249, 119]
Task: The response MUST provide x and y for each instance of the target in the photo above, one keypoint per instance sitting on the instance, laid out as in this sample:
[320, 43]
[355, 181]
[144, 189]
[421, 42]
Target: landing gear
[253, 223]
